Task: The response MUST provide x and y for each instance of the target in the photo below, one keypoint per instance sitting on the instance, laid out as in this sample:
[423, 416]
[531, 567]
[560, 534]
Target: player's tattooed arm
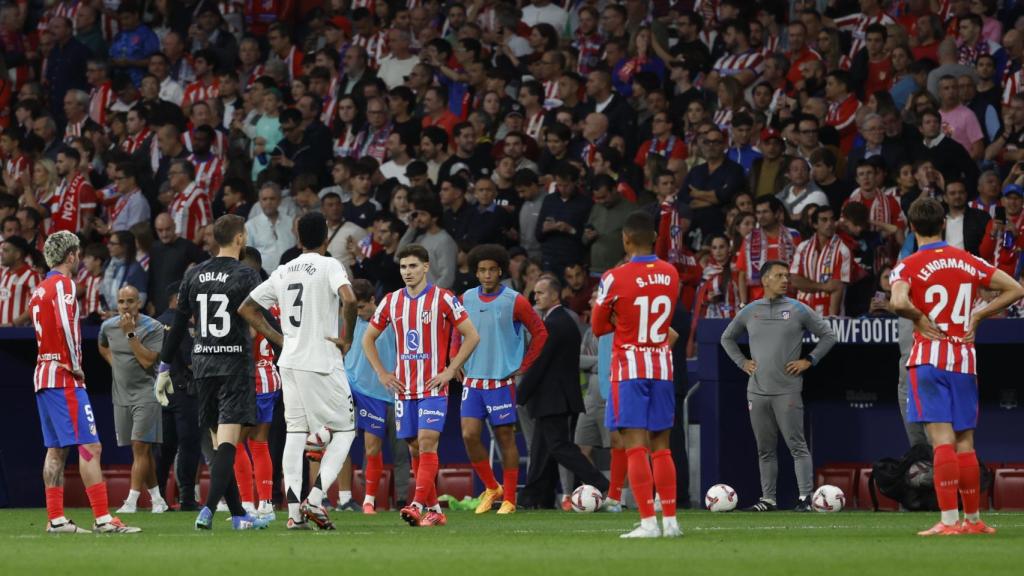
[251, 312]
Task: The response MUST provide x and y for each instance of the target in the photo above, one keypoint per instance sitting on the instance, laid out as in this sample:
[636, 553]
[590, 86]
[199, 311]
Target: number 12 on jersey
[658, 309]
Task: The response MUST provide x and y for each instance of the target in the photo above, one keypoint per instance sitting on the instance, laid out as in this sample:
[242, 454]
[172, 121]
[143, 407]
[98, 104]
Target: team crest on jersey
[69, 299]
[412, 340]
[425, 317]
[785, 314]
[5, 293]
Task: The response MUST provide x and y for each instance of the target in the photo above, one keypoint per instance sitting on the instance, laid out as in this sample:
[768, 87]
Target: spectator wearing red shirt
[799, 51]
[75, 200]
[436, 112]
[664, 143]
[842, 108]
[872, 68]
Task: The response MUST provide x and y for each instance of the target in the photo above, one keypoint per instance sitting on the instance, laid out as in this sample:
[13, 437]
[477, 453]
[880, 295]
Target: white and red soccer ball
[828, 498]
[586, 498]
[720, 498]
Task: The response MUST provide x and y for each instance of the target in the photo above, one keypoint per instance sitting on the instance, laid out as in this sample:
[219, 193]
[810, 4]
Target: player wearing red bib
[636, 301]
[423, 317]
[935, 288]
[64, 410]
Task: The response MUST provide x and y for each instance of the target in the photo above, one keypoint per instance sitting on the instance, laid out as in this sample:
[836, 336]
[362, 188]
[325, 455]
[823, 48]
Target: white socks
[344, 497]
[154, 494]
[950, 517]
[133, 497]
[330, 465]
[291, 467]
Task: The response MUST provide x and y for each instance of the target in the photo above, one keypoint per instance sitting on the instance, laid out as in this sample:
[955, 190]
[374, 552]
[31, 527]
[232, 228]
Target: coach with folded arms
[776, 324]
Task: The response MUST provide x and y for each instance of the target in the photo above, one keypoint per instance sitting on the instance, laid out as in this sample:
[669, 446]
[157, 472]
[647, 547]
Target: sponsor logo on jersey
[412, 340]
[423, 413]
[219, 349]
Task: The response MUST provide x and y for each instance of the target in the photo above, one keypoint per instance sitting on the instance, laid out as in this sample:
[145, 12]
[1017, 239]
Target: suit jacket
[552, 384]
[892, 154]
[952, 160]
[975, 222]
[621, 118]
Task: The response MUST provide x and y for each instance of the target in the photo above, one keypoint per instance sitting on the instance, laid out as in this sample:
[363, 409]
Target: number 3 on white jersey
[659, 308]
[961, 313]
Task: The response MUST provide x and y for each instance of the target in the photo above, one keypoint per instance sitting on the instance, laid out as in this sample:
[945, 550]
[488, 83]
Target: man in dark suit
[964, 224]
[872, 128]
[602, 97]
[551, 392]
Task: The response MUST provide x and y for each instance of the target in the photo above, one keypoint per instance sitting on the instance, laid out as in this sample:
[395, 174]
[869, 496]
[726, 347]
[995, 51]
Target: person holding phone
[1003, 241]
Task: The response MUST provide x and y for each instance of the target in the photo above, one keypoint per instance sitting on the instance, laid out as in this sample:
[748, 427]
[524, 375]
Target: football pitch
[526, 543]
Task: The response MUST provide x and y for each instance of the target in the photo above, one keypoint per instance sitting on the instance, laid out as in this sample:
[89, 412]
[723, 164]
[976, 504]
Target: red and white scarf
[757, 244]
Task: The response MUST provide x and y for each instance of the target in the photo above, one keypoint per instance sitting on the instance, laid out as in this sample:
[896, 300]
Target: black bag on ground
[908, 480]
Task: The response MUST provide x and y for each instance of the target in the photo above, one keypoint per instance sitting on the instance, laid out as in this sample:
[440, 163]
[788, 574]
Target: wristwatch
[131, 335]
[810, 358]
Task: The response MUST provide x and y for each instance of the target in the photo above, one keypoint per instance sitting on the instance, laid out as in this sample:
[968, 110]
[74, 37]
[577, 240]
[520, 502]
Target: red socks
[511, 484]
[947, 477]
[243, 474]
[641, 481]
[426, 491]
[665, 481]
[618, 472]
[970, 481]
[483, 470]
[98, 499]
[374, 466]
[54, 502]
[263, 468]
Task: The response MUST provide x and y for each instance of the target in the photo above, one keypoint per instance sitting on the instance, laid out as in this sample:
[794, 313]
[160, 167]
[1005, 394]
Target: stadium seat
[385, 493]
[1008, 489]
[885, 504]
[841, 476]
[457, 482]
[118, 477]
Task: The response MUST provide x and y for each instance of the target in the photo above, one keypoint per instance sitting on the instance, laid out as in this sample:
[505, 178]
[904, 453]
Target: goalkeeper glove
[163, 386]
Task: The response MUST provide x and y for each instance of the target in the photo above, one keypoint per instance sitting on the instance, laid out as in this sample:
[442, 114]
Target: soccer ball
[586, 498]
[720, 498]
[828, 498]
[318, 441]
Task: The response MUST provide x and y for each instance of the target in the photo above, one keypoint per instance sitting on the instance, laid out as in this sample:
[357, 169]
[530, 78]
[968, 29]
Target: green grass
[528, 543]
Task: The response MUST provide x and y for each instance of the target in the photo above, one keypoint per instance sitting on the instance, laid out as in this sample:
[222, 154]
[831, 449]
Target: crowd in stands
[752, 131]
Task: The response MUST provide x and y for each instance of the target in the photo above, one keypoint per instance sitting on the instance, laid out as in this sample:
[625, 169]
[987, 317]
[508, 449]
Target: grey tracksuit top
[776, 329]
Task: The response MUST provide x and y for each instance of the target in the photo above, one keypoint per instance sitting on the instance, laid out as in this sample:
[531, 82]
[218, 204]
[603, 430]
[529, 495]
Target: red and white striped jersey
[89, 289]
[820, 264]
[293, 63]
[375, 46]
[100, 99]
[199, 91]
[329, 108]
[944, 284]
[219, 146]
[209, 172]
[256, 72]
[1013, 84]
[71, 200]
[841, 116]
[17, 167]
[857, 24]
[66, 8]
[16, 286]
[58, 337]
[191, 211]
[423, 326]
[733, 64]
[267, 378]
[642, 295]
